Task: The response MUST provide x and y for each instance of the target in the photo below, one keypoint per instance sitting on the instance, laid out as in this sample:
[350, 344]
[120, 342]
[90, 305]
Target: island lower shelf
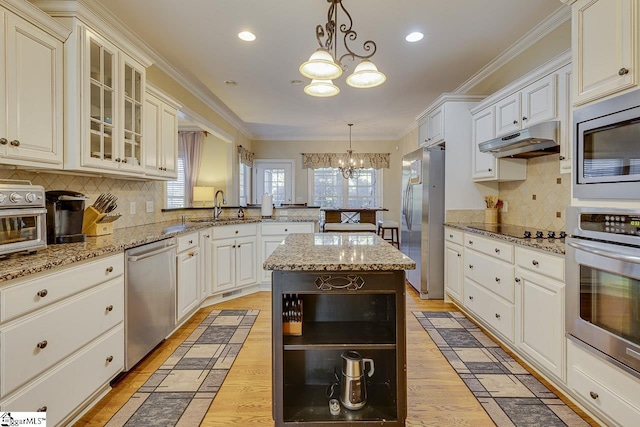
[352, 311]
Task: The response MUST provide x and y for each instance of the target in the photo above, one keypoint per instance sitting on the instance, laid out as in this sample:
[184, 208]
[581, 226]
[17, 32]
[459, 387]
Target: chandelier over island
[324, 65]
[350, 168]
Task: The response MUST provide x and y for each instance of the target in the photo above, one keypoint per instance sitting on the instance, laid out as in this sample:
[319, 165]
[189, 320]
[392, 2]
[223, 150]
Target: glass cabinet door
[133, 99]
[102, 66]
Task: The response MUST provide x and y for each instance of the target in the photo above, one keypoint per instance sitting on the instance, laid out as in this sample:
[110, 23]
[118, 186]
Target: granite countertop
[555, 246]
[54, 256]
[337, 252]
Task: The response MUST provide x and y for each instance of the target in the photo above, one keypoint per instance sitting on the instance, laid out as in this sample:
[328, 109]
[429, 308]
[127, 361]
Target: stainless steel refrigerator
[422, 230]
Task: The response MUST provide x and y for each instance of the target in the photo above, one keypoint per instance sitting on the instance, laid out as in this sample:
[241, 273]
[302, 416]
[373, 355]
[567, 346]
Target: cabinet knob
[118, 160]
[42, 344]
[517, 280]
[593, 395]
[622, 71]
[562, 157]
[15, 143]
[3, 141]
[490, 170]
[42, 409]
[233, 246]
[534, 262]
[109, 307]
[459, 255]
[190, 241]
[515, 122]
[451, 236]
[42, 293]
[471, 242]
[192, 254]
[497, 250]
[109, 359]
[470, 266]
[124, 160]
[236, 231]
[238, 245]
[207, 236]
[497, 316]
[497, 280]
[470, 297]
[524, 118]
[110, 269]
[286, 230]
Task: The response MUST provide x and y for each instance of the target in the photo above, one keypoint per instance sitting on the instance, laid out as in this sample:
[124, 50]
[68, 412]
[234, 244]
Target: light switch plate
[132, 208]
[150, 206]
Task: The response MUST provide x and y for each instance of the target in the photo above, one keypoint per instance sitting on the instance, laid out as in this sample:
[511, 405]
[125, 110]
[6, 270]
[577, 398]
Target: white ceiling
[199, 38]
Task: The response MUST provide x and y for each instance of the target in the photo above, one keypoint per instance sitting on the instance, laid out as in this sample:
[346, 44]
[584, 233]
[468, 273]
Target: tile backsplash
[538, 202]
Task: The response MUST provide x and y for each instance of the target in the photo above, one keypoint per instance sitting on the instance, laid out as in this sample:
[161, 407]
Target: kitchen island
[333, 293]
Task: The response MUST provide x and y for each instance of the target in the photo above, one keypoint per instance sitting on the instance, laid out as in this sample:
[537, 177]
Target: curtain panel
[332, 160]
[246, 156]
[191, 148]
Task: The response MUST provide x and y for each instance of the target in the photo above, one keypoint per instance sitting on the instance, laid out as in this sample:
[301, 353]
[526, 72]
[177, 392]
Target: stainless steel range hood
[538, 140]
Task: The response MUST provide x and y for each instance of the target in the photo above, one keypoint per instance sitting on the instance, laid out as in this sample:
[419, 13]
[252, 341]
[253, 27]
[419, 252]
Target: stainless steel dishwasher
[150, 298]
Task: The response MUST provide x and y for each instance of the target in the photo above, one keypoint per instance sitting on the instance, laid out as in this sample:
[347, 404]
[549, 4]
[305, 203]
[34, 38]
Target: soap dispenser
[240, 213]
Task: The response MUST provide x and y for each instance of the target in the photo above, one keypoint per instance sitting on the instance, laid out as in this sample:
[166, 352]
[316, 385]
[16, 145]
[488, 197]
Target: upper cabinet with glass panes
[104, 94]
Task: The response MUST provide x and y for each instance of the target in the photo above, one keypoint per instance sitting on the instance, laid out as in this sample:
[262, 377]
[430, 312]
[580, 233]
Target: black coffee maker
[65, 210]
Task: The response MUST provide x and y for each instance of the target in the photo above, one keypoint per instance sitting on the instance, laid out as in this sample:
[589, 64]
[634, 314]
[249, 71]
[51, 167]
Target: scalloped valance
[332, 160]
[245, 156]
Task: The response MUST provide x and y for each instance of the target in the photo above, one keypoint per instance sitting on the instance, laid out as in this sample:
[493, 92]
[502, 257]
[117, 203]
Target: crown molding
[553, 21]
[33, 14]
[449, 97]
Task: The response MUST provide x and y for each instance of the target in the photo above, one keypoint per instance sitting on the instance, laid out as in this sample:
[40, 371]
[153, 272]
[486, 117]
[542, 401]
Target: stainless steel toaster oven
[22, 217]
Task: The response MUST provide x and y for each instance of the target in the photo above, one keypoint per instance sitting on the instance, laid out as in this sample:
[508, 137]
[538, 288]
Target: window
[273, 177]
[176, 189]
[330, 189]
[244, 184]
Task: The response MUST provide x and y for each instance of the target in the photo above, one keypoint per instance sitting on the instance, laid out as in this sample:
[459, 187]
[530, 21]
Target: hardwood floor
[436, 395]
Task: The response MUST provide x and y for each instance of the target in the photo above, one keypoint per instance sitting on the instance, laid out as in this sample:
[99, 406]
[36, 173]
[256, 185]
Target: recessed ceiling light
[231, 82]
[296, 82]
[414, 37]
[246, 36]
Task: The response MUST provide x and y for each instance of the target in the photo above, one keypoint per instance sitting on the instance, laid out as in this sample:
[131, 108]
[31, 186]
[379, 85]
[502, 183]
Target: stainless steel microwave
[607, 144]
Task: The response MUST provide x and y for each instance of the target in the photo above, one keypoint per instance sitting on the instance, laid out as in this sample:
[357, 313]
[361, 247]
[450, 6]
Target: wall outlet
[132, 208]
[150, 206]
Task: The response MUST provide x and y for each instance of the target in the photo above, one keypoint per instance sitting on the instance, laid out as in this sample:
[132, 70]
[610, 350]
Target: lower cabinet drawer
[603, 386]
[66, 386]
[493, 274]
[37, 342]
[271, 229]
[492, 310]
[548, 265]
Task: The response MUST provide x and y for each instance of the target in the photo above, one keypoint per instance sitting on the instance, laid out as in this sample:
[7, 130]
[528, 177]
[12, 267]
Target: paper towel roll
[267, 205]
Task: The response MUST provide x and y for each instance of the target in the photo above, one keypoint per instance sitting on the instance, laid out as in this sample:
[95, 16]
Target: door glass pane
[128, 115]
[137, 120]
[96, 148]
[108, 69]
[611, 301]
[108, 106]
[137, 86]
[108, 142]
[94, 60]
[19, 228]
[274, 184]
[96, 104]
[128, 80]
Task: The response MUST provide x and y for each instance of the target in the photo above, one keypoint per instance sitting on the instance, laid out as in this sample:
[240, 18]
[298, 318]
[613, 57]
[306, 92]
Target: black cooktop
[518, 231]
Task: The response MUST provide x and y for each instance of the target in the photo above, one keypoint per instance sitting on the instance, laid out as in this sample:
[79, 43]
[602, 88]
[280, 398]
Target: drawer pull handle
[42, 344]
[109, 307]
[470, 297]
[238, 245]
[517, 280]
[110, 269]
[451, 236]
[471, 242]
[192, 254]
[3, 141]
[15, 143]
[497, 250]
[42, 409]
[534, 262]
[470, 266]
[190, 241]
[593, 395]
[459, 255]
[498, 279]
[515, 122]
[236, 231]
[286, 230]
[43, 293]
[207, 236]
[497, 316]
[109, 359]
[525, 118]
[622, 71]
[233, 246]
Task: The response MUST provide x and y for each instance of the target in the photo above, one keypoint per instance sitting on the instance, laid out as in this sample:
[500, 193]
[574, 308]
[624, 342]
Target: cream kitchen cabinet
[205, 264]
[439, 117]
[64, 330]
[272, 235]
[487, 167]
[160, 135]
[431, 128]
[605, 48]
[189, 269]
[540, 300]
[104, 94]
[453, 264]
[234, 255]
[565, 77]
[31, 71]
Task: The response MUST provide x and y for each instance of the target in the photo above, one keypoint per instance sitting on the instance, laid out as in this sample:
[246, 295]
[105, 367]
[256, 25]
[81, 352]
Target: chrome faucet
[217, 209]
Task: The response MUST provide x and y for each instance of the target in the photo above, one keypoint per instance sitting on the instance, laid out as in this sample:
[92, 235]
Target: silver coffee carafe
[353, 384]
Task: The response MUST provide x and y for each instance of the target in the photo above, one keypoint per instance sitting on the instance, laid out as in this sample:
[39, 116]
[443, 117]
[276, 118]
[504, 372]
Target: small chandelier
[323, 66]
[348, 167]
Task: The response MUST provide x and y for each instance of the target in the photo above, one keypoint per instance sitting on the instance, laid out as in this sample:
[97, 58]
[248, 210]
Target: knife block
[90, 225]
[291, 326]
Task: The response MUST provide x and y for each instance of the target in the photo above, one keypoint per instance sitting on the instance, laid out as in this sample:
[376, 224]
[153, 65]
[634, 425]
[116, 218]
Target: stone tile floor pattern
[180, 392]
[508, 392]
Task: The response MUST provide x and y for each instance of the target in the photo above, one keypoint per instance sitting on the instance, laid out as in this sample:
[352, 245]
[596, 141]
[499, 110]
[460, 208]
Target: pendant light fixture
[324, 65]
[349, 167]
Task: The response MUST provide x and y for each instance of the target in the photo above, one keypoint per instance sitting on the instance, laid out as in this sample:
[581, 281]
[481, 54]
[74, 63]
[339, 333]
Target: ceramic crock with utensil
[353, 384]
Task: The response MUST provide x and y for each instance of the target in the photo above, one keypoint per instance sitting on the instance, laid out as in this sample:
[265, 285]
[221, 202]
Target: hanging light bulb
[366, 75]
[321, 88]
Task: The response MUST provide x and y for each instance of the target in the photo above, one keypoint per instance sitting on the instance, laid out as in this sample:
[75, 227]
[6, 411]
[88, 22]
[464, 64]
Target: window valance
[245, 156]
[332, 160]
